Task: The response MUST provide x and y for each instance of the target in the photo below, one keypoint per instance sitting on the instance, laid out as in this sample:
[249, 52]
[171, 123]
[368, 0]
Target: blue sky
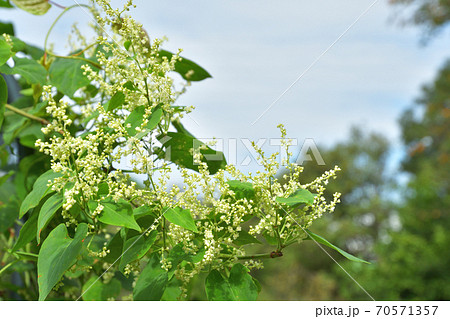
[256, 49]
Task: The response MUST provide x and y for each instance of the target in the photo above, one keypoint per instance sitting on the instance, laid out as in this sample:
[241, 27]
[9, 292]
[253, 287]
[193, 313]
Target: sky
[256, 49]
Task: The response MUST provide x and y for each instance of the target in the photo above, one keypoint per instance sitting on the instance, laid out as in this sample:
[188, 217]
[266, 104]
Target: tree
[432, 15]
[413, 264]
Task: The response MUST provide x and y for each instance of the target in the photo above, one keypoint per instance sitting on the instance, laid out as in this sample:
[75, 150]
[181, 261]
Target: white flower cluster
[131, 67]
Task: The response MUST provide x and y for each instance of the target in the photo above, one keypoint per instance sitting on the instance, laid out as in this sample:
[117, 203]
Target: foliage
[432, 15]
[413, 264]
[98, 218]
[409, 261]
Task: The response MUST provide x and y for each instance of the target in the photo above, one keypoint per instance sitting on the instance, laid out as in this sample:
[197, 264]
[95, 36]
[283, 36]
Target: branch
[273, 254]
[27, 115]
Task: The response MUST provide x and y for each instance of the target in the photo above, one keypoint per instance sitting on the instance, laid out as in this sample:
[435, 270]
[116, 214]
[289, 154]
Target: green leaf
[153, 121]
[127, 45]
[29, 69]
[245, 238]
[27, 232]
[59, 73]
[51, 205]
[118, 214]
[12, 125]
[188, 69]
[5, 177]
[325, 242]
[180, 217]
[116, 100]
[180, 128]
[176, 256]
[58, 253]
[136, 247]
[35, 52]
[95, 290]
[301, 196]
[5, 4]
[8, 214]
[27, 92]
[3, 98]
[5, 51]
[115, 245]
[173, 291]
[242, 284]
[40, 189]
[180, 147]
[7, 28]
[271, 240]
[242, 189]
[136, 118]
[30, 134]
[18, 45]
[217, 287]
[130, 86]
[152, 281]
[257, 284]
[36, 7]
[239, 287]
[143, 210]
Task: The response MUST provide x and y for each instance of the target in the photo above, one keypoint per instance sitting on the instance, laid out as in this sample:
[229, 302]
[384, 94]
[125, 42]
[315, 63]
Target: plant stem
[7, 266]
[164, 234]
[57, 19]
[26, 254]
[56, 4]
[274, 254]
[74, 57]
[27, 115]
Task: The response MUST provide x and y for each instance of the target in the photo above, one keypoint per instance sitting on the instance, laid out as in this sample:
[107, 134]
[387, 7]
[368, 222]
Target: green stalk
[73, 57]
[7, 266]
[27, 115]
[26, 254]
[57, 19]
[274, 254]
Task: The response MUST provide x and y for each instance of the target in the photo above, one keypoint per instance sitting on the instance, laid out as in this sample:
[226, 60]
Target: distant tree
[433, 15]
[413, 265]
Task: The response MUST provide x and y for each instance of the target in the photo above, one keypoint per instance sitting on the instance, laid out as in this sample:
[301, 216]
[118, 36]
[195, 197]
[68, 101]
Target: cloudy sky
[255, 49]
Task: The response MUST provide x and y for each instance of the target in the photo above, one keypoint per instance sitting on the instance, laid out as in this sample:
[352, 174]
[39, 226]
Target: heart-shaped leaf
[242, 189]
[136, 247]
[180, 148]
[31, 70]
[239, 286]
[117, 214]
[136, 118]
[95, 290]
[36, 7]
[40, 189]
[51, 205]
[116, 100]
[59, 71]
[188, 69]
[301, 196]
[58, 253]
[5, 51]
[180, 217]
[151, 282]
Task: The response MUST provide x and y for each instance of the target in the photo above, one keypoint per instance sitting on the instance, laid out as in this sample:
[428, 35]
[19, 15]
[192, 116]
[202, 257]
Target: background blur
[377, 104]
